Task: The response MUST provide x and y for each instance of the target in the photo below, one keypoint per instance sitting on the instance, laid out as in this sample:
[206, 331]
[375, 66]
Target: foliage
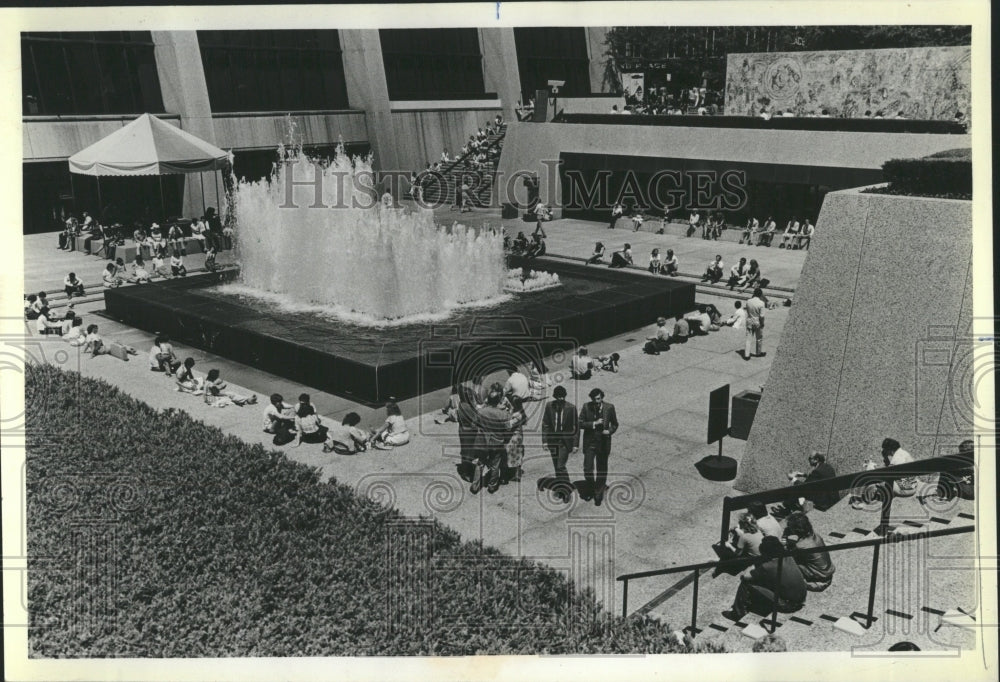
[944, 175]
[154, 535]
[697, 53]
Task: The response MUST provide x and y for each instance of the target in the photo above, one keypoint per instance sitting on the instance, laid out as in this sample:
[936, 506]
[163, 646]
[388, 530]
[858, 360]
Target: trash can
[744, 409]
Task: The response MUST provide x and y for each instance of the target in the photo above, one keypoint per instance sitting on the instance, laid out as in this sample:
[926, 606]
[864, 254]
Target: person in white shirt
[198, 228]
[755, 326]
[177, 268]
[670, 264]
[278, 415]
[892, 455]
[139, 273]
[394, 432]
[72, 285]
[700, 322]
[655, 261]
[767, 524]
[791, 233]
[43, 325]
[75, 335]
[581, 365]
[444, 156]
[693, 223]
[94, 344]
[346, 438]
[623, 258]
[805, 236]
[737, 273]
[750, 231]
[616, 213]
[614, 109]
[517, 385]
[738, 318]
[713, 273]
[767, 234]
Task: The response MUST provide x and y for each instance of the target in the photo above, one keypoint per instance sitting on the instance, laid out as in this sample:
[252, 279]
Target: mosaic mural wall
[922, 82]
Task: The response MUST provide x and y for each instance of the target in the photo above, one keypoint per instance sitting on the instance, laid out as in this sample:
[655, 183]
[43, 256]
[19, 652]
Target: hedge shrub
[946, 174]
[154, 535]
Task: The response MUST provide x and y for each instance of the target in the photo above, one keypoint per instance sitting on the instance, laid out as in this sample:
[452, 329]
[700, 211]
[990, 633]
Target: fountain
[368, 301]
[355, 257]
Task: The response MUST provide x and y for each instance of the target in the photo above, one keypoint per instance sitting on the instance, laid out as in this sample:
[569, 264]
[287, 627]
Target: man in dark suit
[599, 422]
[560, 434]
[762, 585]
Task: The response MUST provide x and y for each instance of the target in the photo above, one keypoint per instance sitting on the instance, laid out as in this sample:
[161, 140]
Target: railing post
[777, 592]
[694, 603]
[625, 598]
[871, 587]
[886, 507]
[725, 519]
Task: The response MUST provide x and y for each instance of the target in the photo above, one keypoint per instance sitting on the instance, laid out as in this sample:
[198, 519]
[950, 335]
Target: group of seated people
[699, 322]
[521, 246]
[475, 154]
[761, 539]
[583, 367]
[118, 273]
[300, 423]
[208, 229]
[795, 236]
[745, 275]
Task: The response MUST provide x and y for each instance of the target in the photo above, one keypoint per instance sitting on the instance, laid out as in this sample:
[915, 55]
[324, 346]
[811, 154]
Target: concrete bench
[128, 251]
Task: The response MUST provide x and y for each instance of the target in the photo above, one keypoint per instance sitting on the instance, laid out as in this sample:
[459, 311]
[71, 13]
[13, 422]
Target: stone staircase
[480, 180]
[919, 586]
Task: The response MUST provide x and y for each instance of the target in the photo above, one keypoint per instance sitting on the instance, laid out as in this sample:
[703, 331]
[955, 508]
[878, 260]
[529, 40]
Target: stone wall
[923, 82]
[878, 341]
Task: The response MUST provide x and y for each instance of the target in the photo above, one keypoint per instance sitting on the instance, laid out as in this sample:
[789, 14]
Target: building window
[545, 54]
[273, 70]
[89, 73]
[434, 63]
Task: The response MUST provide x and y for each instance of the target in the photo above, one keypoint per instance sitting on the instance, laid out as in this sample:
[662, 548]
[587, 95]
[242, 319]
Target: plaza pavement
[659, 511]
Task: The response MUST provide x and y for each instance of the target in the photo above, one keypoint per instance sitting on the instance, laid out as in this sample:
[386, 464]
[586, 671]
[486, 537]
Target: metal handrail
[944, 464]
[876, 543]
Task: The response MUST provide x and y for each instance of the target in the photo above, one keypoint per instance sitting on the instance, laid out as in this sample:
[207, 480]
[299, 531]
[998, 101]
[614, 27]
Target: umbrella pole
[100, 203]
[217, 204]
[201, 177]
[163, 205]
[72, 190]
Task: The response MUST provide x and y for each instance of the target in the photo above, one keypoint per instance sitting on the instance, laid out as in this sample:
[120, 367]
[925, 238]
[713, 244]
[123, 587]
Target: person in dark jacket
[763, 585]
[599, 421]
[817, 568]
[470, 399]
[560, 434]
[494, 424]
[820, 470]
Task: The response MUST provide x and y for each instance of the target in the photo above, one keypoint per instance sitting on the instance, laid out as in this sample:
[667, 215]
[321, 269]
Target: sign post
[718, 468]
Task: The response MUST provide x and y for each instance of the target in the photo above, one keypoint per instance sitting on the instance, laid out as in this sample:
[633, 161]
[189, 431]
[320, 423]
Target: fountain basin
[371, 364]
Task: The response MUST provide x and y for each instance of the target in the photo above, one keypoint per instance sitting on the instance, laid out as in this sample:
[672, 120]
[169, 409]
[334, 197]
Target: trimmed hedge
[947, 174]
[151, 534]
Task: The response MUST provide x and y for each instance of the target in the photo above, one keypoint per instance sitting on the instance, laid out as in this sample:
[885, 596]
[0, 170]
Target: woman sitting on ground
[597, 256]
[186, 380]
[670, 264]
[75, 335]
[162, 357]
[817, 568]
[110, 277]
[217, 395]
[177, 268]
[308, 426]
[449, 413]
[94, 344]
[655, 262]
[745, 538]
[346, 438]
[31, 307]
[139, 273]
[394, 431]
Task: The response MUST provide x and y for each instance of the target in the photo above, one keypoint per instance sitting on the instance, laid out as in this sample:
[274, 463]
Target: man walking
[599, 422]
[755, 326]
[560, 435]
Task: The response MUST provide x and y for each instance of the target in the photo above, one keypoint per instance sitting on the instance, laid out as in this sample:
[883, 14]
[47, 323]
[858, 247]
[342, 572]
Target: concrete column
[364, 71]
[596, 50]
[500, 72]
[185, 92]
